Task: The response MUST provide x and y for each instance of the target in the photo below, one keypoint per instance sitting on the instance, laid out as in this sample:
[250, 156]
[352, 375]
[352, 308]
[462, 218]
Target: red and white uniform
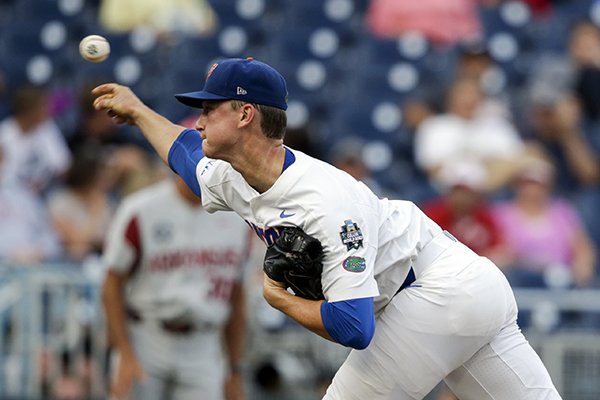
[182, 264]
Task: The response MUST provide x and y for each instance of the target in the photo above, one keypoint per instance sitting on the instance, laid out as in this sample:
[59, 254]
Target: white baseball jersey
[363, 236]
[182, 262]
[457, 322]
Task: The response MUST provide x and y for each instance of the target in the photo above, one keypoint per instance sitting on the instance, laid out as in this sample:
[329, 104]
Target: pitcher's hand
[119, 101]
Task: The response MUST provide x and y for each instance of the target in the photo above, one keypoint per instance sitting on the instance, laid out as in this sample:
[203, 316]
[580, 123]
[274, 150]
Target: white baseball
[94, 48]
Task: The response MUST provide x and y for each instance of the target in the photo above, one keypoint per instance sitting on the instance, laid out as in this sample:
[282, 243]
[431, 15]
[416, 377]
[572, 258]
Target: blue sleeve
[350, 322]
[184, 156]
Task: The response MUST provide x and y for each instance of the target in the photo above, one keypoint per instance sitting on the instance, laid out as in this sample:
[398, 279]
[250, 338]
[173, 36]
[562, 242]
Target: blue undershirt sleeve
[350, 322]
[184, 156]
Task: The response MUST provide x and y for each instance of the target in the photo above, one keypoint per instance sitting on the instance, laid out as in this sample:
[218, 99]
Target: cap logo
[241, 91]
[211, 70]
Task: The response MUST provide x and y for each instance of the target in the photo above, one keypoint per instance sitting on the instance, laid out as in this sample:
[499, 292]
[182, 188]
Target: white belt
[432, 250]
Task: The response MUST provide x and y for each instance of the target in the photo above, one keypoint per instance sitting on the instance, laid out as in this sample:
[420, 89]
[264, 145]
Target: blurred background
[485, 113]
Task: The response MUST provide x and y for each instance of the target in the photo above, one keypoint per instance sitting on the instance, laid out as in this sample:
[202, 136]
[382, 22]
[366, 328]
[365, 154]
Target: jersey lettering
[268, 235]
[185, 259]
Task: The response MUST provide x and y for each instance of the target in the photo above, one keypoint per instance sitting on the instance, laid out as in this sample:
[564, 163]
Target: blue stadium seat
[343, 16]
[304, 43]
[379, 52]
[368, 118]
[20, 43]
[195, 49]
[237, 41]
[383, 82]
[257, 17]
[27, 9]
[294, 46]
[310, 82]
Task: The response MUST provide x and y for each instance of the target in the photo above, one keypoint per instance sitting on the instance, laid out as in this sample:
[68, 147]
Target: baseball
[94, 48]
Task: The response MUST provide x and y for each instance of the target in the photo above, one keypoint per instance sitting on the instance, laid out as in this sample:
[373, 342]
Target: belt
[178, 327]
[171, 326]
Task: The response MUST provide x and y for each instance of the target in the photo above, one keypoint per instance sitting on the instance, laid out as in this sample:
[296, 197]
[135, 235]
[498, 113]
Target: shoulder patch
[354, 264]
[351, 235]
[162, 232]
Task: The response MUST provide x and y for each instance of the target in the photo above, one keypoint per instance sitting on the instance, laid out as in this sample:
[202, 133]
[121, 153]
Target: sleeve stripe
[132, 236]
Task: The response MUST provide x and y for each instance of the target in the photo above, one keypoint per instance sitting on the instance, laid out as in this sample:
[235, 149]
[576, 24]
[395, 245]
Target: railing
[49, 310]
[46, 311]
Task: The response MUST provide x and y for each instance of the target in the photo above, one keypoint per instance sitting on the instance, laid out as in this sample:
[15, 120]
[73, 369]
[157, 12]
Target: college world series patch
[354, 264]
[351, 235]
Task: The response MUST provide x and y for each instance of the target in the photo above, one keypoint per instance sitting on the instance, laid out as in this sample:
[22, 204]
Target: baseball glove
[295, 259]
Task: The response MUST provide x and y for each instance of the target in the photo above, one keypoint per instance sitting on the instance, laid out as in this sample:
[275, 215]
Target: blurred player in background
[442, 312]
[172, 293]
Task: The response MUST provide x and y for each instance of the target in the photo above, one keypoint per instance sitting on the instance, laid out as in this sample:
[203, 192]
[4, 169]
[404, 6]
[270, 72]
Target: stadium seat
[255, 16]
[44, 43]
[340, 15]
[368, 118]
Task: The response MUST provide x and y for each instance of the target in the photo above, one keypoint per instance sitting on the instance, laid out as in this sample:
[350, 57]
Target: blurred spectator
[464, 211]
[442, 22]
[95, 126]
[300, 139]
[462, 132]
[129, 164]
[557, 127]
[475, 62]
[26, 232]
[192, 17]
[540, 7]
[82, 209]
[348, 156]
[35, 152]
[418, 107]
[584, 51]
[544, 232]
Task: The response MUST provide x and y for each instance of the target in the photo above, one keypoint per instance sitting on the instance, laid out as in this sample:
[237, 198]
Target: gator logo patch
[351, 235]
[354, 264]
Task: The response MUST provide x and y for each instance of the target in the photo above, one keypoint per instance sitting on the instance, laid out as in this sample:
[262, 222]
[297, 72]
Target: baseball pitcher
[416, 305]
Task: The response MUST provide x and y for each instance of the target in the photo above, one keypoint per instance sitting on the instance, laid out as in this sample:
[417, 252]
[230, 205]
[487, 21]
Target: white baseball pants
[190, 366]
[457, 323]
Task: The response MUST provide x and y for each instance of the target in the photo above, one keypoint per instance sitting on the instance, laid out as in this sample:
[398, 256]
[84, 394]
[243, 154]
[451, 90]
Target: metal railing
[51, 310]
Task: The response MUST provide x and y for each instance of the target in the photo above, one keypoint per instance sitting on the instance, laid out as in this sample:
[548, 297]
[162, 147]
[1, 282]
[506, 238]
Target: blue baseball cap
[247, 80]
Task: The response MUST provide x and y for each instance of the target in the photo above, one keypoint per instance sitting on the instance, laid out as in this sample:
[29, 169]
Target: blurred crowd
[511, 169]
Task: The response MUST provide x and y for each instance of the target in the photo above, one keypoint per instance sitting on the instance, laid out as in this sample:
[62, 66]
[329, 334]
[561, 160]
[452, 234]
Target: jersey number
[221, 288]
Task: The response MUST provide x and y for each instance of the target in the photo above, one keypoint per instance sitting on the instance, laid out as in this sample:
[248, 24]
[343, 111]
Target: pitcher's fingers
[104, 88]
[102, 102]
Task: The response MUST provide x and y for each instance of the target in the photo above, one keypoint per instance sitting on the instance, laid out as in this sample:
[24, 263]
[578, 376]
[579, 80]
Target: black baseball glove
[295, 259]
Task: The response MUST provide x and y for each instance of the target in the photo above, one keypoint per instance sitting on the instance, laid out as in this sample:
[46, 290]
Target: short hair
[27, 98]
[87, 165]
[273, 121]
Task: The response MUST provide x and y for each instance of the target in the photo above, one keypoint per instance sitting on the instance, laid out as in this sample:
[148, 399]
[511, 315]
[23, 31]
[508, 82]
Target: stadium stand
[342, 82]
